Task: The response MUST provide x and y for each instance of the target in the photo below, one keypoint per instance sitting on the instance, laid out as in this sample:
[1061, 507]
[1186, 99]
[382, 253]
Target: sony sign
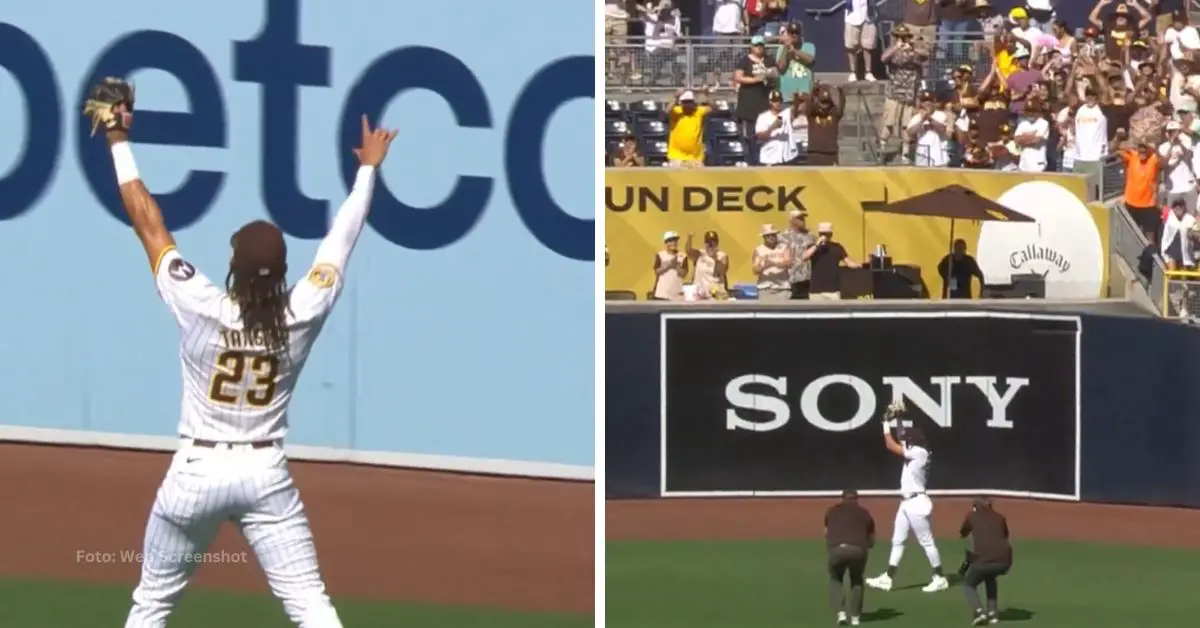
[997, 391]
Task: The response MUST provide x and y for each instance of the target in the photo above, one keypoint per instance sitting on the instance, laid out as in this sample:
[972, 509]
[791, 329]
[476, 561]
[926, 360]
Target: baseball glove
[894, 410]
[110, 104]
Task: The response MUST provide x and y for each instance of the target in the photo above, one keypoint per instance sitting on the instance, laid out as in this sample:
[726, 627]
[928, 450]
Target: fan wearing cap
[241, 347]
[685, 141]
[754, 79]
[773, 130]
[1032, 136]
[824, 115]
[798, 238]
[1021, 82]
[772, 262]
[1176, 151]
[1021, 28]
[827, 257]
[794, 58]
[670, 267]
[930, 129]
[906, 63]
[711, 280]
[1119, 27]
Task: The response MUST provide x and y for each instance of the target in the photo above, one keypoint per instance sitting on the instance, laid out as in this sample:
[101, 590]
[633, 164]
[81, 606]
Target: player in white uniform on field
[915, 505]
[242, 348]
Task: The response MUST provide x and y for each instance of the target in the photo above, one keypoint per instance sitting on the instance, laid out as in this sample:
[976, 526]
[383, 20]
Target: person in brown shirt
[921, 18]
[824, 116]
[849, 535]
[992, 557]
[1119, 27]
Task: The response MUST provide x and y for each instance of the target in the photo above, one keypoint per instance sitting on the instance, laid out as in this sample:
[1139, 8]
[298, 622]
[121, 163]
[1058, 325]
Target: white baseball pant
[913, 515]
[252, 488]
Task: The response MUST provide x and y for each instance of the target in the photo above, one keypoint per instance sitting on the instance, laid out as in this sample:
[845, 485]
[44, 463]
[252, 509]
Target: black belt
[912, 495]
[213, 444]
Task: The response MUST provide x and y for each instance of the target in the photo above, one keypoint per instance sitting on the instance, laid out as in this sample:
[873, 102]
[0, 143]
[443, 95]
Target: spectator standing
[849, 536]
[616, 33]
[1032, 136]
[670, 267]
[957, 269]
[1177, 153]
[957, 21]
[800, 123]
[1021, 81]
[1164, 12]
[729, 25]
[1119, 27]
[685, 140]
[799, 239]
[628, 155]
[824, 116]
[794, 60]
[711, 280]
[921, 19]
[905, 66]
[1090, 134]
[860, 34]
[930, 129]
[827, 257]
[753, 88]
[773, 132]
[772, 263]
[990, 22]
[1142, 167]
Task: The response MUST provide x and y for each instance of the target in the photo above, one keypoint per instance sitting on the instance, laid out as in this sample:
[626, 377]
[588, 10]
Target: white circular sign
[1063, 245]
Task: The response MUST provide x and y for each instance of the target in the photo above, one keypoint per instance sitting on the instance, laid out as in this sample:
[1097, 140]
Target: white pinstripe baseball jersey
[237, 385]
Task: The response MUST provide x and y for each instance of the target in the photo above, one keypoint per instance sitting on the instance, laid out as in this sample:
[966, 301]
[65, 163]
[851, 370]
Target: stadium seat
[730, 152]
[650, 129]
[616, 128]
[647, 109]
[614, 109]
[655, 151]
[721, 128]
[721, 109]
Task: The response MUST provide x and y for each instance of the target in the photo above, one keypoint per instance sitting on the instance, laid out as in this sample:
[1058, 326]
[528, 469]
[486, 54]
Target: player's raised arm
[334, 250]
[110, 105]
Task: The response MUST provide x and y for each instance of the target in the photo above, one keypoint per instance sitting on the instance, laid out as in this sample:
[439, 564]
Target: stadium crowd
[1015, 92]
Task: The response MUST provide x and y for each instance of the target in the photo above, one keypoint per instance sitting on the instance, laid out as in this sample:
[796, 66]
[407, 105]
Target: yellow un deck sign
[1067, 244]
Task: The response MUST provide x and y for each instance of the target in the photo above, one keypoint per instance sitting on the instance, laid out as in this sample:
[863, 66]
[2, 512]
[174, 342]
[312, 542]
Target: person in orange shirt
[1142, 168]
[685, 143]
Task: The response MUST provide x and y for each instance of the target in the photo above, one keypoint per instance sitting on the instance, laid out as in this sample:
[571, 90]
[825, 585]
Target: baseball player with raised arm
[915, 505]
[242, 347]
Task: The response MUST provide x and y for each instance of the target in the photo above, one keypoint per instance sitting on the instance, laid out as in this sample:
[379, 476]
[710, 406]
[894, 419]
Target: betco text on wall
[998, 391]
[281, 66]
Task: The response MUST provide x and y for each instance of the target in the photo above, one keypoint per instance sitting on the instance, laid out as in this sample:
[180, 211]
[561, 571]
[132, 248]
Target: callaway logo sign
[791, 403]
[741, 394]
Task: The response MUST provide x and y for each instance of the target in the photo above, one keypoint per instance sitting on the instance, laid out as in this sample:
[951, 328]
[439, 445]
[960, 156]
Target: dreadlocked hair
[263, 302]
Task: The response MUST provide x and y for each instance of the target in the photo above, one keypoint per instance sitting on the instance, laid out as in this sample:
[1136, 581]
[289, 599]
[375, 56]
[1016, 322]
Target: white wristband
[124, 164]
[887, 427]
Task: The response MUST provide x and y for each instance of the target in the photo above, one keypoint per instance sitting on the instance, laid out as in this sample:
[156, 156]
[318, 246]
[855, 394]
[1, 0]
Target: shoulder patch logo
[180, 270]
[322, 276]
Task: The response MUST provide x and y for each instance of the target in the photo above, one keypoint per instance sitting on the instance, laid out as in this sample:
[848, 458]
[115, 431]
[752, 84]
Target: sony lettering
[939, 407]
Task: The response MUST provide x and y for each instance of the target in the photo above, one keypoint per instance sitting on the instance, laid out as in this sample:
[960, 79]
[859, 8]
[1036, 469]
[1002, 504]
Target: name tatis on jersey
[255, 338]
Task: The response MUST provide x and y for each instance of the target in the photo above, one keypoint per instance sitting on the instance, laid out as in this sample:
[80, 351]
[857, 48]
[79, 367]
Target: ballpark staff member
[991, 559]
[849, 533]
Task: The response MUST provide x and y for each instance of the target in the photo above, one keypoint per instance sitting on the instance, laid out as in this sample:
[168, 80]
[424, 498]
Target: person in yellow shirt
[685, 143]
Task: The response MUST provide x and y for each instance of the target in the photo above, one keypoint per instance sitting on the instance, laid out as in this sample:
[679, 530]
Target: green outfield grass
[777, 584]
[28, 604]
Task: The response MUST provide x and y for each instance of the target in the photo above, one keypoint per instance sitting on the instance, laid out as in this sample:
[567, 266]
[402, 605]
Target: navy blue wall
[1140, 406]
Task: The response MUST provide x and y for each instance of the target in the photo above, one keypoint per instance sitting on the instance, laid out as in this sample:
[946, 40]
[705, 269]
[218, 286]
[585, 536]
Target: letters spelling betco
[999, 393]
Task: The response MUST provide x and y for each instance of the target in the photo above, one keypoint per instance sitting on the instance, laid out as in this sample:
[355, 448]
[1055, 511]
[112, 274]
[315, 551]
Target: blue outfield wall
[248, 109]
[1139, 403]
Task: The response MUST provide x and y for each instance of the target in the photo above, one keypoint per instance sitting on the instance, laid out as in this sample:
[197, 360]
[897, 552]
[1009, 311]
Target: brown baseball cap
[259, 247]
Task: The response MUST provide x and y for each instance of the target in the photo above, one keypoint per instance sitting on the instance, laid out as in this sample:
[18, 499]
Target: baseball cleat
[980, 619]
[853, 621]
[937, 584]
[882, 582]
[993, 619]
[841, 619]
